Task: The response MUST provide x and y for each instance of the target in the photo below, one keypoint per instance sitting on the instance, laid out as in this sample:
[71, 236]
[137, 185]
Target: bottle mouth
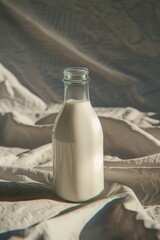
[76, 75]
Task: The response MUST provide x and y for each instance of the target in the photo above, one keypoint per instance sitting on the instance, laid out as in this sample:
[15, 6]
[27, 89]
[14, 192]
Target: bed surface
[129, 207]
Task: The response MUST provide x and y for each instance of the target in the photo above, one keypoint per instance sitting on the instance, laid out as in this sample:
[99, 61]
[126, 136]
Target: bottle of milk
[77, 142]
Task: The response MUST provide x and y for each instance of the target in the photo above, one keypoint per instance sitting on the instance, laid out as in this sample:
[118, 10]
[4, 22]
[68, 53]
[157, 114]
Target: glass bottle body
[77, 143]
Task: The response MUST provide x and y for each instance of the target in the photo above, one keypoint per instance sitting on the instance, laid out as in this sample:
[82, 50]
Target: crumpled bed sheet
[129, 207]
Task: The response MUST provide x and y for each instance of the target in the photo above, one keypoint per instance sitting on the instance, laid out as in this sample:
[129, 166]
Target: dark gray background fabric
[119, 41]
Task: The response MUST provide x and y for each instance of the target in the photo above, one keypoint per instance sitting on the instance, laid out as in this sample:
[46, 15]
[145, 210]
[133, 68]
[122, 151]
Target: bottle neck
[76, 84]
[79, 92]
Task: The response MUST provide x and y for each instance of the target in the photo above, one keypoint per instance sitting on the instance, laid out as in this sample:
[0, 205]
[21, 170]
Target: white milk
[78, 152]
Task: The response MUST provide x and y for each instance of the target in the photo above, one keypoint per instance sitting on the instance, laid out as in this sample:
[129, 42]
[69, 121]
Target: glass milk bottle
[77, 142]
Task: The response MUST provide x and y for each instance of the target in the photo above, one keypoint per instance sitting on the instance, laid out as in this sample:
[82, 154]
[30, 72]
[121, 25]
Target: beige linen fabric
[129, 207]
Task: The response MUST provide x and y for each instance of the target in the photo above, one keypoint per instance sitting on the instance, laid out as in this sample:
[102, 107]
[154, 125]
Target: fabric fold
[126, 209]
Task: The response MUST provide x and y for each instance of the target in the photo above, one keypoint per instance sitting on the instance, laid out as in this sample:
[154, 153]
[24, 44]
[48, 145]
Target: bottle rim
[76, 75]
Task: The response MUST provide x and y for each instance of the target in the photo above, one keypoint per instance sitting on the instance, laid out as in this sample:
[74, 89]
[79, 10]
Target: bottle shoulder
[79, 122]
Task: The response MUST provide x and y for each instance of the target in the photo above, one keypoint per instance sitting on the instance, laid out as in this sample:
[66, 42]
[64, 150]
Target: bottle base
[70, 200]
